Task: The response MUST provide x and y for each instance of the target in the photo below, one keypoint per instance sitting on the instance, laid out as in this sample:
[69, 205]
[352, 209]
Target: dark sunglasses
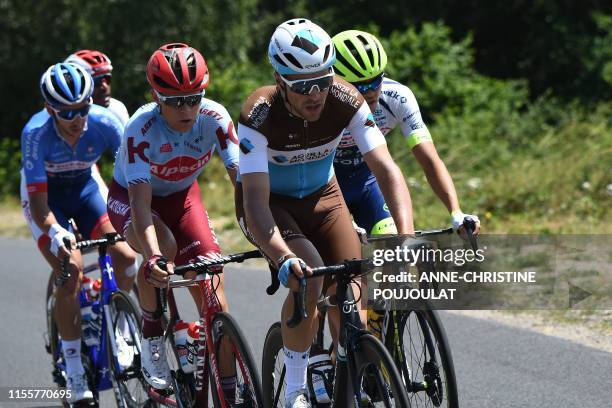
[178, 101]
[70, 114]
[306, 86]
[102, 78]
[373, 84]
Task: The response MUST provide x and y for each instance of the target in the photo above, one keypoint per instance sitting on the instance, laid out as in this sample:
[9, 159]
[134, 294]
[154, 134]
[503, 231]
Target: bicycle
[192, 389]
[100, 361]
[419, 345]
[359, 355]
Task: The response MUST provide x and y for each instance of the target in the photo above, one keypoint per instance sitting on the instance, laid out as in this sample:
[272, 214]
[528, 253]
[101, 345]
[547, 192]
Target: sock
[131, 270]
[296, 363]
[151, 327]
[228, 384]
[123, 327]
[72, 355]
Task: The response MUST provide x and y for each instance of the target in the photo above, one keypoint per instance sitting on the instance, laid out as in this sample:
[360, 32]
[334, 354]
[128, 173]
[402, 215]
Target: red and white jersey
[151, 152]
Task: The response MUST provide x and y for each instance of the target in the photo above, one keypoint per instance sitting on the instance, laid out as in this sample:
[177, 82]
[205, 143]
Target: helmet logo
[307, 41]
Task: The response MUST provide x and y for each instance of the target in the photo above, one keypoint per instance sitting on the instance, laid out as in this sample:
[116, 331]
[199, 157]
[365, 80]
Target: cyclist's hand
[457, 218]
[155, 274]
[296, 267]
[57, 233]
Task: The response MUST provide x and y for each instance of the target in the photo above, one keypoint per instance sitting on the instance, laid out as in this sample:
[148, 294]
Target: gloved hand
[57, 233]
[457, 218]
[285, 270]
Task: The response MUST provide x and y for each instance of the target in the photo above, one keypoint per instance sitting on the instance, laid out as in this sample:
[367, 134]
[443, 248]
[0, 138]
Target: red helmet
[99, 63]
[176, 69]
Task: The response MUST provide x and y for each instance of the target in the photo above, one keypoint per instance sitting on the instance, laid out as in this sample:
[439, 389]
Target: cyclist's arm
[393, 186]
[142, 218]
[437, 175]
[256, 193]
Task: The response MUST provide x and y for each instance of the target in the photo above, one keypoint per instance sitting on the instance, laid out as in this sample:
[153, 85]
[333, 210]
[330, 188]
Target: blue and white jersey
[396, 106]
[171, 161]
[50, 162]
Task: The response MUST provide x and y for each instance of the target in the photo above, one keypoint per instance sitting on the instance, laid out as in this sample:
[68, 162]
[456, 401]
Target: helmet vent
[175, 63]
[161, 82]
[368, 51]
[342, 60]
[326, 54]
[293, 60]
[279, 60]
[191, 66]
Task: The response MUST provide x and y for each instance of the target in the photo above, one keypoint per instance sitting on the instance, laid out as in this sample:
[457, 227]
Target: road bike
[118, 317]
[360, 355]
[218, 330]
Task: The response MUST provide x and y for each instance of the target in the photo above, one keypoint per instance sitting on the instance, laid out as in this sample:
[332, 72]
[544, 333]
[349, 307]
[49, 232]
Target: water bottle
[193, 337]
[86, 284]
[376, 319]
[180, 341]
[88, 336]
[320, 369]
[94, 291]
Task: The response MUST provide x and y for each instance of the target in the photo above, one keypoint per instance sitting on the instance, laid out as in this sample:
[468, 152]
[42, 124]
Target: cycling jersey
[50, 162]
[171, 161]
[40, 118]
[297, 154]
[396, 105]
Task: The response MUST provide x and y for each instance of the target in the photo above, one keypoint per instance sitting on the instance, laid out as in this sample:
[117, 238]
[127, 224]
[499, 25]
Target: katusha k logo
[180, 167]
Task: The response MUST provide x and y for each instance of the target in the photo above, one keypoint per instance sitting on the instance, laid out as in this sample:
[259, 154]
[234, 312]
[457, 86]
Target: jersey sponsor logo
[395, 95]
[246, 146]
[370, 121]
[192, 146]
[303, 157]
[346, 141]
[117, 206]
[139, 150]
[31, 145]
[67, 166]
[345, 94]
[210, 112]
[223, 137]
[165, 148]
[259, 112]
[280, 159]
[180, 167]
[147, 126]
[29, 165]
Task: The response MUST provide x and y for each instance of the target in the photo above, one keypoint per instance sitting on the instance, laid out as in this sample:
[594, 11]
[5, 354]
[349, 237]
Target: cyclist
[99, 67]
[58, 183]
[288, 202]
[361, 60]
[155, 199]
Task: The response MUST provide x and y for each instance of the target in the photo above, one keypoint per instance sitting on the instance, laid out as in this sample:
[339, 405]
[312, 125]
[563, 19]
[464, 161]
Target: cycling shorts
[365, 200]
[84, 202]
[183, 212]
[321, 217]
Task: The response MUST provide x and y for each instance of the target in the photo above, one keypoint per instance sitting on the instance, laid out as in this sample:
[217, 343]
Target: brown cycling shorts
[321, 217]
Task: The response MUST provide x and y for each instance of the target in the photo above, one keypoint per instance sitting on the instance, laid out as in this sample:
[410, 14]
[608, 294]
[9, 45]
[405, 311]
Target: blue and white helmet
[66, 84]
[299, 46]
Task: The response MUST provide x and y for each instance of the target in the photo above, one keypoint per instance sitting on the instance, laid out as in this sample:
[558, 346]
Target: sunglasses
[102, 78]
[178, 101]
[306, 86]
[71, 114]
[373, 84]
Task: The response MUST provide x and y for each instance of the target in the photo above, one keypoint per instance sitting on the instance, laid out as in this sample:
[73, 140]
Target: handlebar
[110, 238]
[349, 269]
[201, 267]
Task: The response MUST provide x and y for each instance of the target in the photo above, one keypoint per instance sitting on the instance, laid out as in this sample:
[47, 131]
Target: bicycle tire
[428, 360]
[249, 391]
[131, 386]
[273, 395]
[371, 357]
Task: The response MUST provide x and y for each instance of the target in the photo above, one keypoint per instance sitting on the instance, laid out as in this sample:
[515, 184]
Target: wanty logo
[179, 167]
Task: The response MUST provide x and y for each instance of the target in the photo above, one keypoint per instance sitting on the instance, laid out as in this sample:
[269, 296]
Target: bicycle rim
[273, 368]
[427, 369]
[132, 388]
[227, 335]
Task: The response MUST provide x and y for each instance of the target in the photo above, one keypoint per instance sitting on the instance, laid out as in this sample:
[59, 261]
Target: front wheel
[228, 338]
[131, 388]
[425, 361]
[273, 368]
[375, 370]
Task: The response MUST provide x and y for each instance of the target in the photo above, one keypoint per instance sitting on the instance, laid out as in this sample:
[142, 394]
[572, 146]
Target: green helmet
[359, 56]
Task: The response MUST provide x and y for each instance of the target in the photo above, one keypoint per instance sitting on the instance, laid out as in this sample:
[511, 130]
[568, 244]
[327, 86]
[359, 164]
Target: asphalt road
[497, 366]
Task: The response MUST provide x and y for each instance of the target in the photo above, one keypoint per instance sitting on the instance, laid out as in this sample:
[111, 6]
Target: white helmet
[66, 84]
[299, 46]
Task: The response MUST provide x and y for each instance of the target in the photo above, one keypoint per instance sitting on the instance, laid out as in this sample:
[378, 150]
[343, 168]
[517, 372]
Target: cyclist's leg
[92, 219]
[66, 313]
